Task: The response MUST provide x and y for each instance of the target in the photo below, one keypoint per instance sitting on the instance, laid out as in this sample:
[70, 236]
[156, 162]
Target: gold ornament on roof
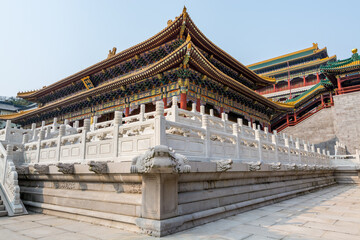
[188, 38]
[354, 50]
[112, 52]
[169, 22]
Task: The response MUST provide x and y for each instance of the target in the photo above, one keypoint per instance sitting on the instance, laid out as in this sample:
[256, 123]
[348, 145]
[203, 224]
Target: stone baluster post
[66, 122]
[211, 112]
[297, 146]
[33, 129]
[223, 119]
[48, 132]
[142, 113]
[76, 124]
[258, 139]
[193, 107]
[202, 109]
[42, 124]
[85, 131]
[237, 138]
[7, 130]
[288, 148]
[58, 147]
[266, 131]
[25, 138]
[205, 125]
[160, 124]
[174, 109]
[241, 127]
[95, 120]
[54, 125]
[117, 124]
[274, 141]
[41, 137]
[249, 124]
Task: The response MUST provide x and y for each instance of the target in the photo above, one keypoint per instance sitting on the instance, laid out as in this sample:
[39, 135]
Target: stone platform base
[162, 204]
[347, 175]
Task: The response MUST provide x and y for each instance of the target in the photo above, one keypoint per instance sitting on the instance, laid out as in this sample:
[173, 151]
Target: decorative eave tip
[354, 50]
[184, 10]
[188, 38]
[316, 46]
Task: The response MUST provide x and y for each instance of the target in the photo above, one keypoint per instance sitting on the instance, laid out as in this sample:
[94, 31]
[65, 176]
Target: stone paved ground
[332, 213]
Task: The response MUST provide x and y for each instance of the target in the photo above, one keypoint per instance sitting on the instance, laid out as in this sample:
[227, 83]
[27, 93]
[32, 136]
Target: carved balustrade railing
[198, 136]
[9, 187]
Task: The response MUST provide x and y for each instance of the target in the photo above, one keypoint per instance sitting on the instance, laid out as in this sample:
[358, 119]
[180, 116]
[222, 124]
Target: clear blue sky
[42, 42]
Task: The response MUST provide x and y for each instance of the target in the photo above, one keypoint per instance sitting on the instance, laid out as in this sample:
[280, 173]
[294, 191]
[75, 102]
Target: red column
[127, 110]
[322, 100]
[198, 103]
[295, 116]
[339, 85]
[287, 119]
[165, 101]
[317, 78]
[269, 127]
[274, 87]
[251, 121]
[221, 110]
[304, 81]
[331, 99]
[183, 101]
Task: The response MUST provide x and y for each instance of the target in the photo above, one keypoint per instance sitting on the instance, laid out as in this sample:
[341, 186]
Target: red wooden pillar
[317, 78]
[221, 110]
[269, 127]
[339, 85]
[304, 81]
[322, 100]
[331, 99]
[165, 101]
[198, 102]
[295, 117]
[127, 110]
[287, 119]
[183, 101]
[251, 121]
[274, 87]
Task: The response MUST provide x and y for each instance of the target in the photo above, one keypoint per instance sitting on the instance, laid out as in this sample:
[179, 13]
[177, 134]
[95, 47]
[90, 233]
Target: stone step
[3, 213]
[2, 207]
[1, 202]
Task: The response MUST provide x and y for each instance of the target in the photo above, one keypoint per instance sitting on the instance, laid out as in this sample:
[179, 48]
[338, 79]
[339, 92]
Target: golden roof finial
[354, 50]
[315, 45]
[184, 10]
[188, 38]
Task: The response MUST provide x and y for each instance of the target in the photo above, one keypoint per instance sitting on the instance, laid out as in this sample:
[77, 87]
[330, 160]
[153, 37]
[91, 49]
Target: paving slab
[331, 213]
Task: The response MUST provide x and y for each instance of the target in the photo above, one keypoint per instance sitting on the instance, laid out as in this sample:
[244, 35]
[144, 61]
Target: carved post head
[142, 108]
[9, 149]
[212, 112]
[254, 126]
[66, 122]
[286, 142]
[174, 102]
[118, 118]
[8, 123]
[42, 124]
[76, 124]
[318, 150]
[33, 126]
[312, 147]
[275, 132]
[95, 118]
[25, 138]
[266, 130]
[235, 128]
[62, 130]
[226, 117]
[193, 107]
[159, 108]
[55, 122]
[328, 152]
[324, 152]
[205, 121]
[273, 139]
[249, 124]
[42, 134]
[240, 122]
[87, 124]
[48, 129]
[223, 116]
[306, 148]
[202, 109]
[257, 134]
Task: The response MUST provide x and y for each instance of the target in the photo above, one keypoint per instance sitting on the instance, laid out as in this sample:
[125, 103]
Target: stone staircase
[3, 211]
